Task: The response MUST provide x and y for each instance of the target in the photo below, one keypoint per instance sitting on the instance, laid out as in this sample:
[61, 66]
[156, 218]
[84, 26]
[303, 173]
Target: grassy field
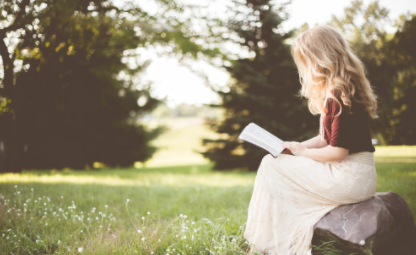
[176, 207]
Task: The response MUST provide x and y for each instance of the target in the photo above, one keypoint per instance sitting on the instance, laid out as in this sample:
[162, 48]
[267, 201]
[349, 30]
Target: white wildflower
[80, 249]
[362, 242]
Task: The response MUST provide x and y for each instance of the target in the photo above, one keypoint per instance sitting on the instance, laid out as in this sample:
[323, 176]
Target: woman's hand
[286, 151]
[296, 148]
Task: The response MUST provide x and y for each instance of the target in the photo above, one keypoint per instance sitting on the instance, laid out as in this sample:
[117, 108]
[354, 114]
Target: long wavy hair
[325, 63]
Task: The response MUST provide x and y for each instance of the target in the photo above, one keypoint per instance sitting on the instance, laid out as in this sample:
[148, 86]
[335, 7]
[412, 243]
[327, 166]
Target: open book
[258, 136]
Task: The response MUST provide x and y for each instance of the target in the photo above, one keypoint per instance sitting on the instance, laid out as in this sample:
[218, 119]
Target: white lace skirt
[291, 194]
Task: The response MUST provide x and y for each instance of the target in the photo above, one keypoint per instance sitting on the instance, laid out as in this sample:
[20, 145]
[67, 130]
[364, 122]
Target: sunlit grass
[178, 146]
[175, 176]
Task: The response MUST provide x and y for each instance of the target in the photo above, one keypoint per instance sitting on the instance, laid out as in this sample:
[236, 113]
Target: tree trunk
[10, 149]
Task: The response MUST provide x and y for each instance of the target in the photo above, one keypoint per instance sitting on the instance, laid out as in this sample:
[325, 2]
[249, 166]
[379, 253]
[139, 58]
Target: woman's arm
[315, 142]
[325, 154]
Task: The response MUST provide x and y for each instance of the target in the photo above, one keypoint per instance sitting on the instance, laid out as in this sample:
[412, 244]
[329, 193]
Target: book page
[258, 136]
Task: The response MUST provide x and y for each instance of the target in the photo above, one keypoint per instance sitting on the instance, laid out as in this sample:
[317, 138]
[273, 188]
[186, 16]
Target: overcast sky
[181, 85]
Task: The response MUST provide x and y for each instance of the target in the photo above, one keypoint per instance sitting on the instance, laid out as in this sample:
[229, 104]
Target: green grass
[165, 192]
[213, 205]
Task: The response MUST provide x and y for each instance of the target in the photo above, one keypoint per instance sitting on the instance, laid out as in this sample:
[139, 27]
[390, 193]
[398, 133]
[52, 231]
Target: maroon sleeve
[339, 125]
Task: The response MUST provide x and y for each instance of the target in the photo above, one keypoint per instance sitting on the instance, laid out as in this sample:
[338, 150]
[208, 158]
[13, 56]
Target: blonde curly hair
[325, 63]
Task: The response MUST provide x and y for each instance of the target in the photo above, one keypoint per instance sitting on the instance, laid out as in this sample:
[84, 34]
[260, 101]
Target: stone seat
[383, 224]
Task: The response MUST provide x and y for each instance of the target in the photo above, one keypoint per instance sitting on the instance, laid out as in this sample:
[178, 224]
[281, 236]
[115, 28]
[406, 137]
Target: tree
[402, 129]
[70, 94]
[264, 88]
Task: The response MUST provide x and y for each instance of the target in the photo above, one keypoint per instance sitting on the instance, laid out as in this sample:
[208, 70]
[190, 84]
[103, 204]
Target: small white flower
[143, 238]
[159, 240]
[142, 218]
[181, 215]
[128, 200]
[148, 213]
[106, 206]
[59, 241]
[80, 249]
[167, 249]
[362, 242]
[139, 231]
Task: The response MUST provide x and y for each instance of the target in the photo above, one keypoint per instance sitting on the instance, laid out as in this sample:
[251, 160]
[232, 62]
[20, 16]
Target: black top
[349, 131]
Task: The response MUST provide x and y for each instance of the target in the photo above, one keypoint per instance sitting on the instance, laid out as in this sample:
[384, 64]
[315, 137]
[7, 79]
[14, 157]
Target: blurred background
[109, 84]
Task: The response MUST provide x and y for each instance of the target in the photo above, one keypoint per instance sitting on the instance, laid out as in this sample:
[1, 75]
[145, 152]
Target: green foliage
[72, 88]
[264, 88]
[71, 93]
[403, 120]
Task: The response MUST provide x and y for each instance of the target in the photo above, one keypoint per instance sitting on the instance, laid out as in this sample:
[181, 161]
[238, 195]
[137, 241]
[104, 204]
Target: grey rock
[383, 224]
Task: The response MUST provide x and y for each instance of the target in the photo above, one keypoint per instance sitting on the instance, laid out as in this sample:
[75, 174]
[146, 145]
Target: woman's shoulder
[335, 104]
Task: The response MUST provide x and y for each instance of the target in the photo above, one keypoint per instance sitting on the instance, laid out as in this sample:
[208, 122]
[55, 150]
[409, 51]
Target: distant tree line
[185, 110]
